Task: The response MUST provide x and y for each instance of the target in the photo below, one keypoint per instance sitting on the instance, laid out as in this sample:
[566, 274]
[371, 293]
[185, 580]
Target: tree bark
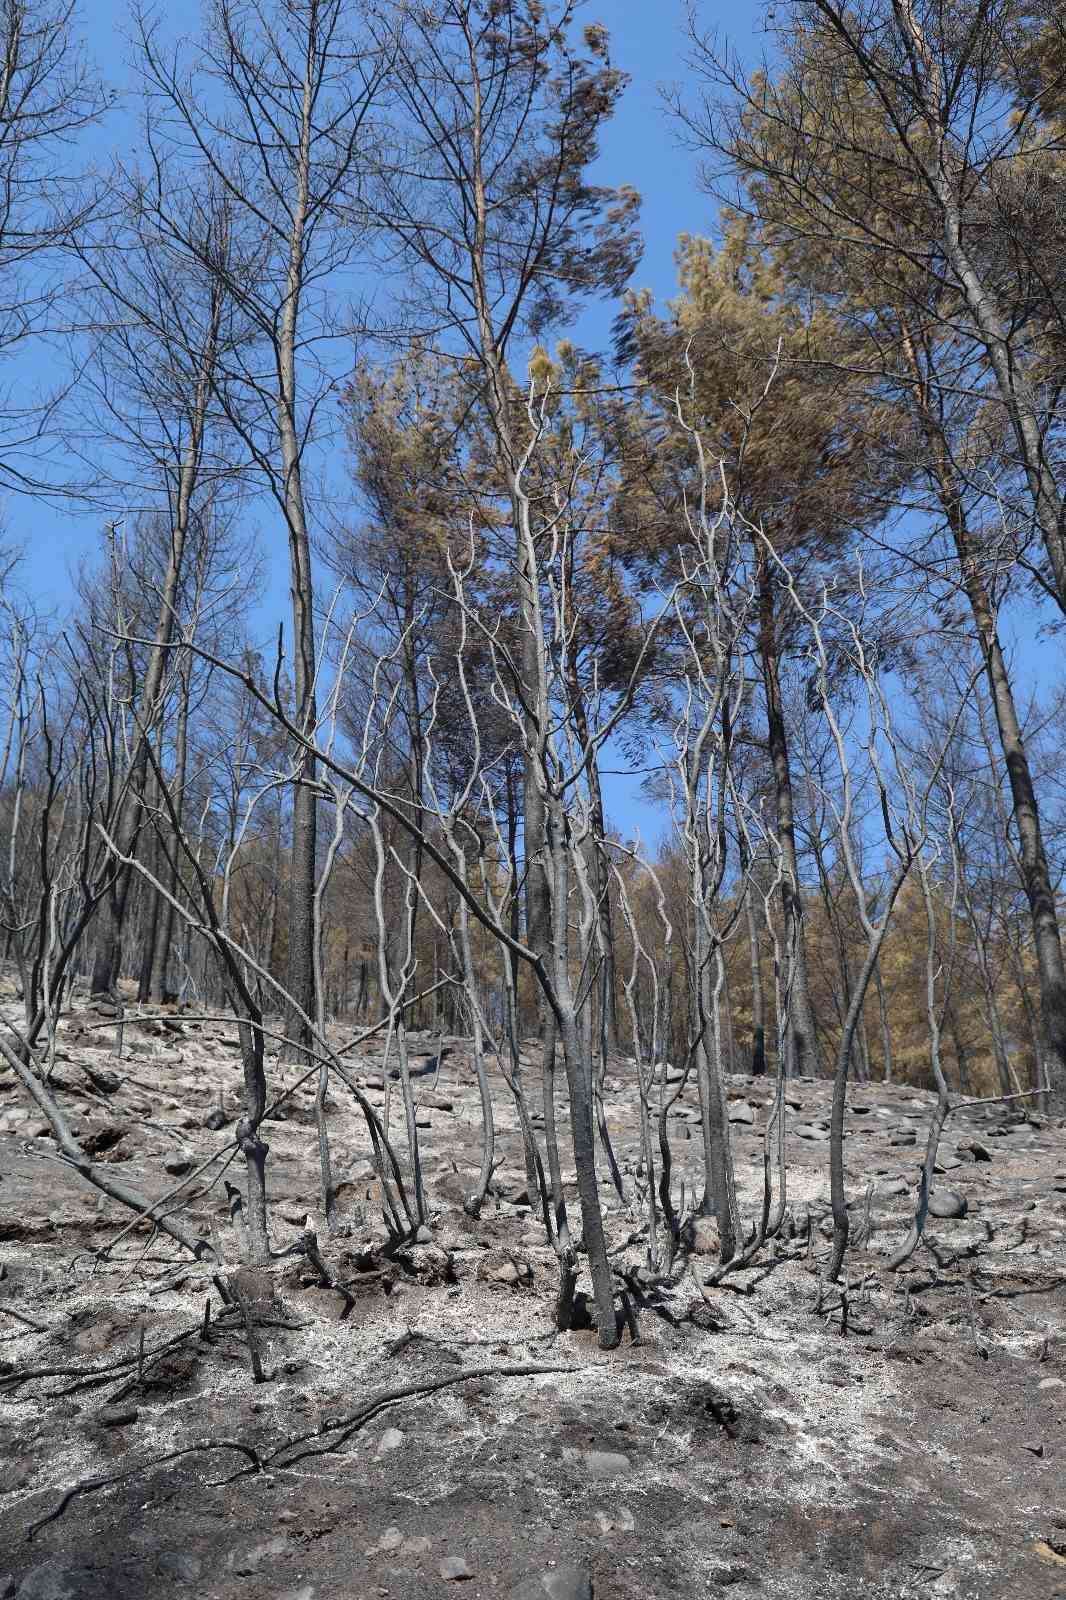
[149, 707]
[164, 984]
[1036, 876]
[301, 965]
[883, 1024]
[802, 1037]
[991, 324]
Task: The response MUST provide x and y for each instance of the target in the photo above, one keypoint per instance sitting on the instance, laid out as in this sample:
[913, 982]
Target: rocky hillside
[417, 1429]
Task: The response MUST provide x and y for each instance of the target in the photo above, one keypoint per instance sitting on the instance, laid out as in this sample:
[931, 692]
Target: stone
[1047, 1384]
[180, 1564]
[390, 1540]
[216, 1119]
[53, 1581]
[455, 1569]
[418, 1545]
[599, 1463]
[430, 1264]
[178, 1163]
[742, 1112]
[705, 1237]
[946, 1203]
[564, 1582]
[329, 1304]
[892, 1187]
[246, 1565]
[503, 1267]
[390, 1440]
[810, 1130]
[620, 1520]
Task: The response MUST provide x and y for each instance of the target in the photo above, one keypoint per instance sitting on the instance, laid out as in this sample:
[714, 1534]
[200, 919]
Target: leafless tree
[48, 95]
[276, 101]
[904, 798]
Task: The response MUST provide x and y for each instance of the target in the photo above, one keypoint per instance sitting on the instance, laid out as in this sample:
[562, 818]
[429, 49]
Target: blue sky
[640, 149]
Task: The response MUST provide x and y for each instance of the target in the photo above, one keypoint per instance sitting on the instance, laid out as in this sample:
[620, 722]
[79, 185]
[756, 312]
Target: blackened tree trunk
[302, 877]
[165, 984]
[152, 910]
[883, 1024]
[758, 992]
[1032, 855]
[801, 1031]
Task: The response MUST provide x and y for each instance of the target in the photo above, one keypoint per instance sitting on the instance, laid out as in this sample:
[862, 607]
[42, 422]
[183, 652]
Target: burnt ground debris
[745, 1445]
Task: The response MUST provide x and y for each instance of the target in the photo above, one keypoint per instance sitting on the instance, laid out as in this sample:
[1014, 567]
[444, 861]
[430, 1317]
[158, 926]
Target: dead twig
[978, 1346]
[349, 1425]
[250, 1330]
[38, 1327]
[90, 1485]
[86, 1376]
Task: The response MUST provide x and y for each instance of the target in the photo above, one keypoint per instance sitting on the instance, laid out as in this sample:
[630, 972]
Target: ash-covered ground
[744, 1446]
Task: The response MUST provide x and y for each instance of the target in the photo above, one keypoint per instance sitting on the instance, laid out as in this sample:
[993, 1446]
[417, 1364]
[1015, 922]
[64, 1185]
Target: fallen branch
[90, 1485]
[250, 1330]
[86, 1376]
[38, 1327]
[347, 1426]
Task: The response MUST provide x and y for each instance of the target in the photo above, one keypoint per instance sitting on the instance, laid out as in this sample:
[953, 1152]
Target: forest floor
[743, 1446]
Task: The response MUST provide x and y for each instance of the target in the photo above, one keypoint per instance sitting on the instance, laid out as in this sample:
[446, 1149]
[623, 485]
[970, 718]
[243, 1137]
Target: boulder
[704, 1236]
[598, 1464]
[505, 1268]
[562, 1582]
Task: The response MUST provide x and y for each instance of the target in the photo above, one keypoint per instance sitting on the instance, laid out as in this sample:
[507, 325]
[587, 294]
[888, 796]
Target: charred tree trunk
[1036, 876]
[802, 1037]
[164, 982]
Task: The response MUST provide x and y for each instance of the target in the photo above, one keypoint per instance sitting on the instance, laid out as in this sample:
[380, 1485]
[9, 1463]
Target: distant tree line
[765, 551]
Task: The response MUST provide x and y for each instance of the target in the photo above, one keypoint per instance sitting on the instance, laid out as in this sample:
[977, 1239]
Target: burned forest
[532, 816]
